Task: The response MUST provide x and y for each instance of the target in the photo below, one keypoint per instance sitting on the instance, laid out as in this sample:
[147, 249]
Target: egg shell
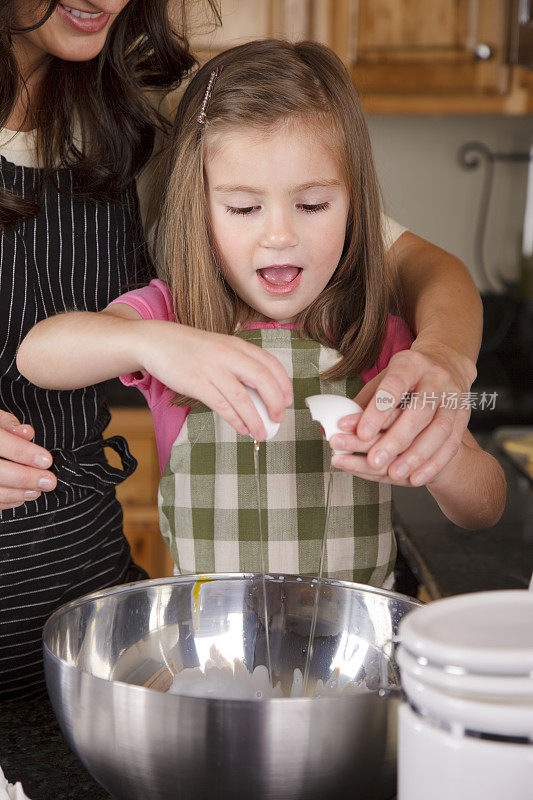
[271, 427]
[328, 410]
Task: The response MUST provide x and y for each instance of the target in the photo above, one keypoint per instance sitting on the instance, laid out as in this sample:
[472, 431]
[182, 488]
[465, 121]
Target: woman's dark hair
[144, 51]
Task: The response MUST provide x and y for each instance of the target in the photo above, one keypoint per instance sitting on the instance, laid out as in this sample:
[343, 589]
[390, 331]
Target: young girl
[270, 237]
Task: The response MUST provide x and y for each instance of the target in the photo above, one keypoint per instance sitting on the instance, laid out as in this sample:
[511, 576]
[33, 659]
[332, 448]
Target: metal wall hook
[472, 155]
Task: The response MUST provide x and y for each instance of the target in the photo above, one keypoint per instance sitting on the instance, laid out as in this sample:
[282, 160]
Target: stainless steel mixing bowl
[101, 652]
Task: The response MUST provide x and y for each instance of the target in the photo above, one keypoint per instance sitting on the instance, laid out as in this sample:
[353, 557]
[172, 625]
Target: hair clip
[212, 78]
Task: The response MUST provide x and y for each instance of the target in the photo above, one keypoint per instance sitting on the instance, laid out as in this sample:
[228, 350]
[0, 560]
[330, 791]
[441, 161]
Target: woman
[73, 83]
[76, 127]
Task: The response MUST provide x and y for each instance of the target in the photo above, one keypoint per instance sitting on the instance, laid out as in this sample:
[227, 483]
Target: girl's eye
[243, 211]
[312, 209]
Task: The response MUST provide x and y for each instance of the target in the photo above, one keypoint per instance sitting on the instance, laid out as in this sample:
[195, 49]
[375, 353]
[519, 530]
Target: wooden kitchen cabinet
[405, 56]
[138, 493]
[419, 46]
[439, 56]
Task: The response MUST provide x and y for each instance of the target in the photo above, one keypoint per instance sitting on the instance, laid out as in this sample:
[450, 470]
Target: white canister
[466, 723]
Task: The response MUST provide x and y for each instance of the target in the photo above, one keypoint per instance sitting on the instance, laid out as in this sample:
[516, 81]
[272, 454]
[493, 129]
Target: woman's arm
[470, 490]
[442, 306]
[439, 301]
[82, 348]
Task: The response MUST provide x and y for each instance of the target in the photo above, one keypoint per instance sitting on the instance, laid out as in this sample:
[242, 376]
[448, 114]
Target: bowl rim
[215, 576]
[212, 576]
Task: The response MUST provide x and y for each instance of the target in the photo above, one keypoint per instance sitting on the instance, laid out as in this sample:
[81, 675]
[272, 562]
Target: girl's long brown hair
[143, 51]
[261, 85]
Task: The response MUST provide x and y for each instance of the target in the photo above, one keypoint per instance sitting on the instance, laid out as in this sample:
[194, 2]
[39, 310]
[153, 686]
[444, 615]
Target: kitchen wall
[426, 190]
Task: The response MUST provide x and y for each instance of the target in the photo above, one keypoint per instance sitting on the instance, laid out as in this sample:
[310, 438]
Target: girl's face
[76, 31]
[278, 208]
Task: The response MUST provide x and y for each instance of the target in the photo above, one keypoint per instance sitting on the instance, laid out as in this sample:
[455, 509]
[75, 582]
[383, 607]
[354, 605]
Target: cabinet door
[243, 20]
[138, 494]
[408, 46]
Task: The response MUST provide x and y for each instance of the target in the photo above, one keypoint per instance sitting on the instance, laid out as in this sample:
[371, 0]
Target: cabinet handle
[483, 51]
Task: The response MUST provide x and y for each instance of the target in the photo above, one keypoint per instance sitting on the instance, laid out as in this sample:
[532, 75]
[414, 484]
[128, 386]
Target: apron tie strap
[86, 466]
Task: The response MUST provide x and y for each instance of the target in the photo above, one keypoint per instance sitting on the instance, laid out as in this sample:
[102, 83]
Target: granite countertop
[34, 751]
[448, 560]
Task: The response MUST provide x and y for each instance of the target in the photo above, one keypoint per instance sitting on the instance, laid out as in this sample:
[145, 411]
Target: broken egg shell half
[328, 410]
[271, 427]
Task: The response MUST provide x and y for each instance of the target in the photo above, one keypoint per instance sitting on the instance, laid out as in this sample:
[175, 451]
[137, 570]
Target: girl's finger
[444, 427]
[258, 377]
[236, 394]
[273, 365]
[229, 399]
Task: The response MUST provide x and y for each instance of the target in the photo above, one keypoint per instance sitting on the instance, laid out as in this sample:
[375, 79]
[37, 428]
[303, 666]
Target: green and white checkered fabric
[208, 500]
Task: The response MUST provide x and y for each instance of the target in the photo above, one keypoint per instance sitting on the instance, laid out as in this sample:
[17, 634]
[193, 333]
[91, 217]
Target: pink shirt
[154, 302]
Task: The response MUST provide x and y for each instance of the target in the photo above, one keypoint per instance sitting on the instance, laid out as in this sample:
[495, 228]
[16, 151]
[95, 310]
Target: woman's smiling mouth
[84, 21]
[282, 279]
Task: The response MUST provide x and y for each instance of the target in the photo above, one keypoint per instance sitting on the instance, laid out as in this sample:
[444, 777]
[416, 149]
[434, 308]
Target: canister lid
[483, 632]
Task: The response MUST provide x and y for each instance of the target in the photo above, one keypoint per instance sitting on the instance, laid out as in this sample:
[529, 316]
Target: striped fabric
[73, 255]
[208, 499]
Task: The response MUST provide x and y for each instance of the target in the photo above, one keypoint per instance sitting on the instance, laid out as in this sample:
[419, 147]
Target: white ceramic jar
[466, 724]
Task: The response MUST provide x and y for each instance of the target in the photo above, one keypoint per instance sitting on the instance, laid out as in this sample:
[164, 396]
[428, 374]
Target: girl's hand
[215, 369]
[23, 465]
[411, 445]
[82, 348]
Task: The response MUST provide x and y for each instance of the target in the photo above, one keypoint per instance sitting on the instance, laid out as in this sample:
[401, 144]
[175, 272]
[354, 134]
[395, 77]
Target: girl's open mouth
[281, 279]
[84, 21]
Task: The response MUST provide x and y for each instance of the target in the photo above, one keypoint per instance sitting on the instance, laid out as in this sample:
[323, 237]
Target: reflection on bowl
[111, 656]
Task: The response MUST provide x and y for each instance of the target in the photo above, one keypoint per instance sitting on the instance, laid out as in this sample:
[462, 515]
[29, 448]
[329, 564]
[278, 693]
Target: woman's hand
[23, 465]
[411, 445]
[470, 490]
[216, 369]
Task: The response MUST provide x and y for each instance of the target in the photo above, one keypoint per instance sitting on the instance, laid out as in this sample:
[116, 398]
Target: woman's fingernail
[337, 442]
[401, 471]
[380, 458]
[42, 461]
[31, 495]
[337, 461]
[46, 484]
[419, 478]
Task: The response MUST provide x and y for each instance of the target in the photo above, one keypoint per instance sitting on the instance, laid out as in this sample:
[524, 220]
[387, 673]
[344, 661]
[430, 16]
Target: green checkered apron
[208, 499]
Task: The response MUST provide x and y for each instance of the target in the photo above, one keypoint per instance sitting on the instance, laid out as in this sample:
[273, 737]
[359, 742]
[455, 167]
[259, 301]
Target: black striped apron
[73, 255]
